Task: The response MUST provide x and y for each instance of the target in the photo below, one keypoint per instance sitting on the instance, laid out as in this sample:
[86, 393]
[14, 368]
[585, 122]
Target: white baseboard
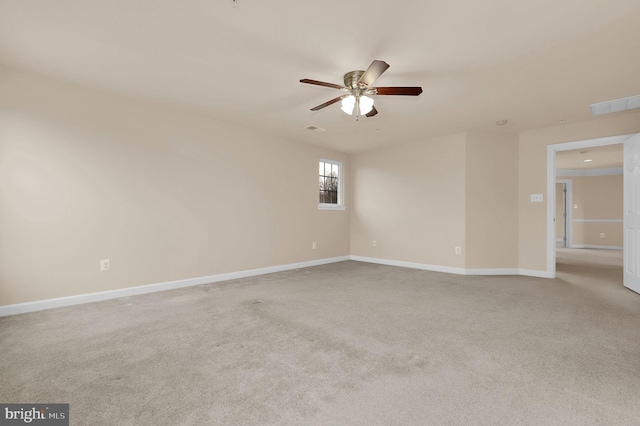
[40, 305]
[591, 246]
[493, 271]
[452, 270]
[534, 273]
[412, 265]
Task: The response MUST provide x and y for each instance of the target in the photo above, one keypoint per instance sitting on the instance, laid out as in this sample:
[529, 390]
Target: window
[330, 184]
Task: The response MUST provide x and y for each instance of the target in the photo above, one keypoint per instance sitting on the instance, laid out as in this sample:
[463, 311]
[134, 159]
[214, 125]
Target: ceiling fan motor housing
[351, 79]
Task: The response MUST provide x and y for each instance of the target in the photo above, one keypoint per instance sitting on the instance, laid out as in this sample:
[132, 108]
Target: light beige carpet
[342, 344]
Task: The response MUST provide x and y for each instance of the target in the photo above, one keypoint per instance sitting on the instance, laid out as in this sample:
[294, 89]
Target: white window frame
[329, 206]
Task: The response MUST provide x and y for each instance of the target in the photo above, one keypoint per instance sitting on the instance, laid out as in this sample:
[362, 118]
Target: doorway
[552, 150]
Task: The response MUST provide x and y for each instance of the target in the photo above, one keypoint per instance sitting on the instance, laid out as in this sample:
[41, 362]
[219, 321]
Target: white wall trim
[535, 273]
[590, 172]
[592, 246]
[452, 270]
[599, 220]
[492, 271]
[551, 188]
[61, 302]
[39, 305]
[331, 207]
[412, 265]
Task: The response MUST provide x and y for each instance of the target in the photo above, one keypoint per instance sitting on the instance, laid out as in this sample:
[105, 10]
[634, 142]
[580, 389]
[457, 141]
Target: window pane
[326, 197]
[329, 182]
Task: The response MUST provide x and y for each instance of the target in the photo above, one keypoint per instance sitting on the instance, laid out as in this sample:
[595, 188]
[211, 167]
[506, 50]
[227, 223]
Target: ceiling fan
[357, 84]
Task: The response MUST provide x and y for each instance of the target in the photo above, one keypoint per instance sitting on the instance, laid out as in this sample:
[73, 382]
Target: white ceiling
[532, 63]
[604, 157]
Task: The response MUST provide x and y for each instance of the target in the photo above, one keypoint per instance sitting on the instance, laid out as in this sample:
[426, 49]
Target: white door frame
[631, 220]
[569, 200]
[551, 188]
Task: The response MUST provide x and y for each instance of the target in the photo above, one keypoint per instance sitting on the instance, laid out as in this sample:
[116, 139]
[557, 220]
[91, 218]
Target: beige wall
[491, 200]
[418, 201]
[597, 198]
[168, 194]
[588, 234]
[164, 193]
[410, 199]
[533, 176]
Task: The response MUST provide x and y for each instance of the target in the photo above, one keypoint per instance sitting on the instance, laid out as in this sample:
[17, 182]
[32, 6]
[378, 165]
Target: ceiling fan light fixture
[348, 104]
[366, 104]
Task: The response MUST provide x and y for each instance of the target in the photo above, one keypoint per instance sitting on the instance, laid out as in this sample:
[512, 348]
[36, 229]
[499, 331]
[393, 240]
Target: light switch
[537, 198]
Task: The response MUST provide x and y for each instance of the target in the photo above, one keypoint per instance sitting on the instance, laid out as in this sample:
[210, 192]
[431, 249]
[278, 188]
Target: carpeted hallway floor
[343, 344]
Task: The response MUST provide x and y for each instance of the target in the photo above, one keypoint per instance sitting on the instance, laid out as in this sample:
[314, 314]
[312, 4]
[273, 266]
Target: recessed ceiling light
[588, 160]
[501, 122]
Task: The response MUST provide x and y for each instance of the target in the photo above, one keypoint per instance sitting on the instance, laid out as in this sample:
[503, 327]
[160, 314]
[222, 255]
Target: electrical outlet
[602, 235]
[374, 243]
[314, 245]
[537, 198]
[458, 250]
[105, 264]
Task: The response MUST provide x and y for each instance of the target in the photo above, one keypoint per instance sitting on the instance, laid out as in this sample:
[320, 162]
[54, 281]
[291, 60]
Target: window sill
[330, 207]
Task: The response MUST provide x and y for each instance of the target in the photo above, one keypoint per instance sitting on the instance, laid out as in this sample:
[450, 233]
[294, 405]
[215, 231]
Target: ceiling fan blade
[372, 73]
[404, 91]
[371, 113]
[326, 104]
[320, 83]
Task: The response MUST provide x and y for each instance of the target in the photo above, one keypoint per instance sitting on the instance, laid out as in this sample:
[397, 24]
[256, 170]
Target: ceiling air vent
[616, 105]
